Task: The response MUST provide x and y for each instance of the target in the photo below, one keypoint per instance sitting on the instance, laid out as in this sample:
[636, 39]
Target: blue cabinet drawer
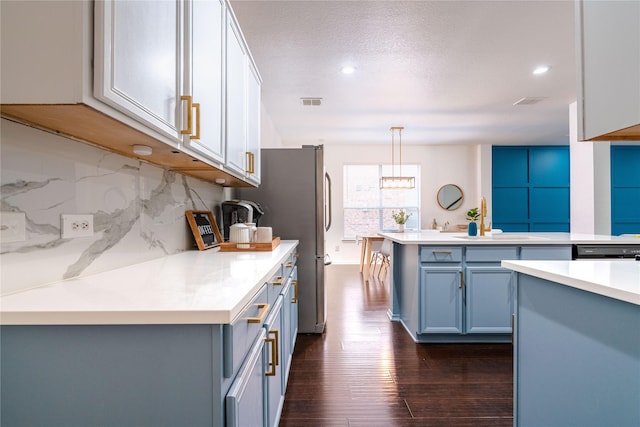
[542, 253]
[440, 254]
[274, 287]
[491, 253]
[242, 332]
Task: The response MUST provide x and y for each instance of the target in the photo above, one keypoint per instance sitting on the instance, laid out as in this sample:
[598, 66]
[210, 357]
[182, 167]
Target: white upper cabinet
[204, 79]
[117, 73]
[138, 61]
[243, 105]
[608, 53]
[253, 122]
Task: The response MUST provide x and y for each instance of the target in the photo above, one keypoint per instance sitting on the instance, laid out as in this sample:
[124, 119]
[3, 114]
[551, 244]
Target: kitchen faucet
[483, 215]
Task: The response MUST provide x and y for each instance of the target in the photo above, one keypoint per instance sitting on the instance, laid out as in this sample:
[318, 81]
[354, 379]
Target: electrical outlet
[77, 226]
[337, 248]
[12, 227]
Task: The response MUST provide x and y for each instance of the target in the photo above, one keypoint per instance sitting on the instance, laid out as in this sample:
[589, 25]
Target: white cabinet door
[253, 124]
[138, 60]
[204, 78]
[608, 69]
[236, 70]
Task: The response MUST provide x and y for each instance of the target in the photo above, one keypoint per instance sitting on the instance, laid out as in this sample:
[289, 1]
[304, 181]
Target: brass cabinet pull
[275, 353]
[264, 309]
[296, 255]
[294, 283]
[189, 100]
[272, 372]
[277, 281]
[250, 162]
[196, 105]
[442, 252]
[290, 264]
[461, 284]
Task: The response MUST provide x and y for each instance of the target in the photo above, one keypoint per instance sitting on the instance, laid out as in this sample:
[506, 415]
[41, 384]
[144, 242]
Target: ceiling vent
[309, 102]
[529, 100]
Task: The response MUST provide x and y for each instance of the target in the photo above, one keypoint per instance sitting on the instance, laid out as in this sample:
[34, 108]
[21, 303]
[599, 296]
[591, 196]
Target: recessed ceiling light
[348, 69]
[541, 69]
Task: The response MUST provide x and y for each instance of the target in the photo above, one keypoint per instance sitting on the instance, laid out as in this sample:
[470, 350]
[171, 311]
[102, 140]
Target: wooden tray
[231, 247]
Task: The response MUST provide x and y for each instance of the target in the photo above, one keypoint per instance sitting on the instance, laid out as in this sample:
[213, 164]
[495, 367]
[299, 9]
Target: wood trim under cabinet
[88, 125]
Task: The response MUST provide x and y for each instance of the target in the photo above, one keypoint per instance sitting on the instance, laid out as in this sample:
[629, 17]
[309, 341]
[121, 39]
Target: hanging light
[397, 182]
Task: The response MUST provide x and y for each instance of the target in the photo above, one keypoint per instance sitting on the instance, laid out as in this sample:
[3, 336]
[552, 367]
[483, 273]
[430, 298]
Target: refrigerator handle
[327, 202]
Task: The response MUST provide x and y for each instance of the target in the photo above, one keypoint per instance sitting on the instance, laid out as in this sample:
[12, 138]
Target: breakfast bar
[451, 287]
[577, 343]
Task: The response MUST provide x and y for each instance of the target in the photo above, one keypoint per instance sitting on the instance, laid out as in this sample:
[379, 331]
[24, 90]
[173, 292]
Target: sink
[503, 237]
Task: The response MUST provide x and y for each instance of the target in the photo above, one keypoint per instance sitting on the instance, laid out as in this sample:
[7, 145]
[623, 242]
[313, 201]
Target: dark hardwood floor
[366, 371]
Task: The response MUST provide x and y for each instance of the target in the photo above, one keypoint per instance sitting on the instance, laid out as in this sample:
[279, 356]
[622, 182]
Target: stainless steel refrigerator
[295, 195]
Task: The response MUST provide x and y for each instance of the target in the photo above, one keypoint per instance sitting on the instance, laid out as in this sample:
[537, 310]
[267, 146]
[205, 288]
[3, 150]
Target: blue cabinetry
[625, 189]
[576, 357]
[530, 188]
[209, 375]
[462, 294]
[440, 300]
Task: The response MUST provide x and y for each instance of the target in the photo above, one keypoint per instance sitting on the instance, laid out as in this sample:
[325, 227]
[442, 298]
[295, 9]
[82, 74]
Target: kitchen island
[577, 343]
[450, 287]
[181, 340]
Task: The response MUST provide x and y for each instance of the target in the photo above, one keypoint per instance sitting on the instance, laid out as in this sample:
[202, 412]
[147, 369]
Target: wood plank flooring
[366, 371]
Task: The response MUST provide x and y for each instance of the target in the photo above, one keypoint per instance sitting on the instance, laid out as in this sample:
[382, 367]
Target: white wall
[440, 165]
[590, 182]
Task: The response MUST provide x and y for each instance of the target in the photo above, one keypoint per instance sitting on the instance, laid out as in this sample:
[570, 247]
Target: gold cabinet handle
[276, 353]
[296, 255]
[250, 162]
[294, 283]
[442, 252]
[196, 105]
[290, 264]
[277, 281]
[461, 284]
[189, 100]
[263, 310]
[272, 372]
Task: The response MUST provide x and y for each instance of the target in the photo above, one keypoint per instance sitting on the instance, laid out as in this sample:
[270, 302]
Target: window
[367, 208]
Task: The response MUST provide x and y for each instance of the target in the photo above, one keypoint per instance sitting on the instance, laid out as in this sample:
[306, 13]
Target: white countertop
[194, 287]
[446, 238]
[614, 279]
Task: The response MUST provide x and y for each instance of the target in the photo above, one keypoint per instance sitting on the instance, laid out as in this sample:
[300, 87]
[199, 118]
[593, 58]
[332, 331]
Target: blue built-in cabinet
[625, 189]
[530, 188]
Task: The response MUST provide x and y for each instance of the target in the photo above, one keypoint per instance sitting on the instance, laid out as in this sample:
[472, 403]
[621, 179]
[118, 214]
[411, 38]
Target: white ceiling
[448, 71]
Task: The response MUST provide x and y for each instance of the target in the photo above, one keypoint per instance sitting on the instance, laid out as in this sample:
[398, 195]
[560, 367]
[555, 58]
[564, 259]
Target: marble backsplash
[138, 209]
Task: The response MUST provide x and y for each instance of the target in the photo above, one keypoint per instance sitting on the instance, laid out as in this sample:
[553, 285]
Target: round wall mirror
[450, 197]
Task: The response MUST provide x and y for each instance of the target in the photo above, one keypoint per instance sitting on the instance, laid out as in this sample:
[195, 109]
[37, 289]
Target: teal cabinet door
[489, 299]
[440, 300]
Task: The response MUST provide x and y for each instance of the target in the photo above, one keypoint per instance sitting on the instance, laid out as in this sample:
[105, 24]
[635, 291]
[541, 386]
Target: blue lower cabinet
[440, 300]
[576, 357]
[462, 294]
[489, 299]
[274, 372]
[245, 400]
[290, 323]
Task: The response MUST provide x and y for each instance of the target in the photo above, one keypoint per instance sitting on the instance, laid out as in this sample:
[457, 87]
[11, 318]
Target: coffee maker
[239, 211]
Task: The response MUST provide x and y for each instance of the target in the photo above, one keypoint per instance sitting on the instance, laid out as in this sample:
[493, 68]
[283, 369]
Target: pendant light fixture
[397, 182]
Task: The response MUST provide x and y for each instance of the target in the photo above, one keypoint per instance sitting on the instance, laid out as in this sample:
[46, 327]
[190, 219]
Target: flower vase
[473, 229]
[401, 228]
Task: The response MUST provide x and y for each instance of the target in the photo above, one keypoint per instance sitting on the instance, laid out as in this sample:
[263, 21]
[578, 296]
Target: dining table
[365, 253]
